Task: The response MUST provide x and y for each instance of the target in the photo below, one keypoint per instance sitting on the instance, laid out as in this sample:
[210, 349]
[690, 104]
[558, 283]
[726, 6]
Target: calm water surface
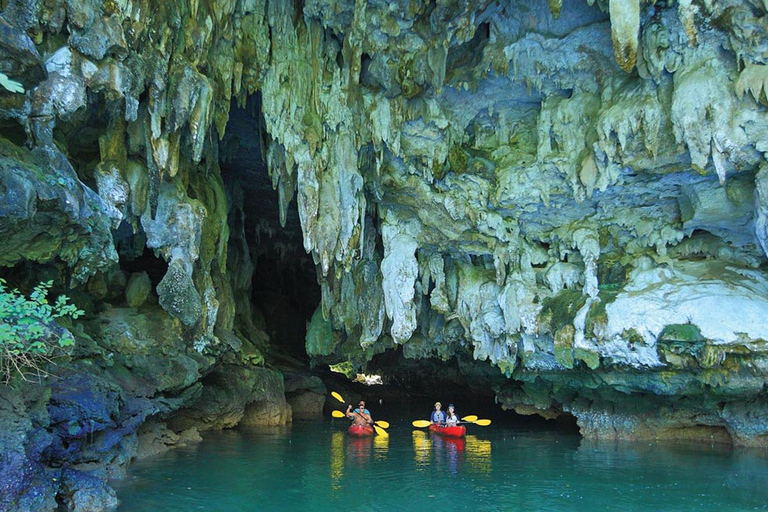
[317, 467]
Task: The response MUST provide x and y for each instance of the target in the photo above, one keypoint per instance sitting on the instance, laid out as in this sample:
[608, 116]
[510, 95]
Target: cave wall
[571, 192]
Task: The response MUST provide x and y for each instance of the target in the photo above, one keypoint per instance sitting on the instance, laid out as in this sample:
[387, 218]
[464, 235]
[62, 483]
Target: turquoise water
[316, 467]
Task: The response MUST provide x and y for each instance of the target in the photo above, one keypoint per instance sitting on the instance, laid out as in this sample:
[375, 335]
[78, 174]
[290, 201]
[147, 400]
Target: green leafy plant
[29, 333]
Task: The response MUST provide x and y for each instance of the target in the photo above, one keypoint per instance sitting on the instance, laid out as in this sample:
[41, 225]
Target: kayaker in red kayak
[446, 425]
[438, 416]
[361, 415]
[451, 420]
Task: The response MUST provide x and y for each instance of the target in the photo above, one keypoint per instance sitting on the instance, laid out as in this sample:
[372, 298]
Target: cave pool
[315, 466]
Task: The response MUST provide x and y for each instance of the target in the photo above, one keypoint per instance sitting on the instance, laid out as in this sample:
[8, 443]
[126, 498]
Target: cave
[216, 219]
[283, 290]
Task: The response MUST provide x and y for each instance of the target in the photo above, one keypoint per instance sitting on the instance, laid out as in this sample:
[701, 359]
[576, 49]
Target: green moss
[507, 367]
[686, 333]
[589, 357]
[560, 310]
[633, 337]
[250, 355]
[405, 73]
[564, 346]
[682, 345]
[345, 368]
[612, 275]
[597, 314]
[457, 158]
[710, 356]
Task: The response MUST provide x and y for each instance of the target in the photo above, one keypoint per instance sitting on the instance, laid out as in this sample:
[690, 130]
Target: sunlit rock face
[574, 195]
[572, 192]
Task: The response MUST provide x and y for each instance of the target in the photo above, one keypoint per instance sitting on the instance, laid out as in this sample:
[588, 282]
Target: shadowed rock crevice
[282, 292]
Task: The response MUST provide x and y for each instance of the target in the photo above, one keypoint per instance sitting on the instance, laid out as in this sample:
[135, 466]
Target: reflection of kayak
[457, 431]
[360, 430]
[459, 443]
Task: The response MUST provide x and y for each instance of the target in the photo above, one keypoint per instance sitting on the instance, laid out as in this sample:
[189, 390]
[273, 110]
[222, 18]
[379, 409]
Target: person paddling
[361, 415]
[452, 419]
[438, 416]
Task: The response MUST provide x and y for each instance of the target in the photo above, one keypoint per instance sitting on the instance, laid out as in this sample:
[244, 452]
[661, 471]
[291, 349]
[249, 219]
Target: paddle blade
[380, 431]
[382, 424]
[469, 419]
[420, 423]
[337, 414]
[483, 423]
[337, 396]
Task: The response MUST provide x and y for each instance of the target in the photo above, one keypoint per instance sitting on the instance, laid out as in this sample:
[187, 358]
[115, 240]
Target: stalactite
[625, 28]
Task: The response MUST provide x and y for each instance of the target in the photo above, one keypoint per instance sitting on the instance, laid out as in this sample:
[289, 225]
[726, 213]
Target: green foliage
[29, 334]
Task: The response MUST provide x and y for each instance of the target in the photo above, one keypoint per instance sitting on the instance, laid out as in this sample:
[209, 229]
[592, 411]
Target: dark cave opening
[283, 287]
[148, 262]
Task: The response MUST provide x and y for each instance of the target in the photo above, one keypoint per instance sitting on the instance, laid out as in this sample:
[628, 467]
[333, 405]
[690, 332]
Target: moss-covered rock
[178, 296]
[560, 311]
[138, 289]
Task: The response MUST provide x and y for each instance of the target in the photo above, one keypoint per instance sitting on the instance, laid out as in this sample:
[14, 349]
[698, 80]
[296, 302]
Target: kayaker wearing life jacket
[361, 415]
[452, 419]
[438, 416]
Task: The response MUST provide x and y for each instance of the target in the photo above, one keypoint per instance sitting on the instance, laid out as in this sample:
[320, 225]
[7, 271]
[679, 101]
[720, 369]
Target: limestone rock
[178, 296]
[305, 394]
[138, 289]
[233, 394]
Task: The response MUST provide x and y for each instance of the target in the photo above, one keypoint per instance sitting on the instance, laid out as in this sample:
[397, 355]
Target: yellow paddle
[382, 424]
[470, 418]
[425, 423]
[380, 431]
[339, 414]
[482, 423]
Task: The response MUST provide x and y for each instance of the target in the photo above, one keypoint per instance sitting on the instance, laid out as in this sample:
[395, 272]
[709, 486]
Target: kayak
[457, 431]
[360, 430]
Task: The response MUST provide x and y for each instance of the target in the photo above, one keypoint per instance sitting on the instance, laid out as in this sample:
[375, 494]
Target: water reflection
[450, 453]
[422, 448]
[380, 447]
[337, 460]
[479, 454]
[359, 451]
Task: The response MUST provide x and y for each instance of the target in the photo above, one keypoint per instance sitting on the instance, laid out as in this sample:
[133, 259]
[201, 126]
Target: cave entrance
[276, 292]
[278, 284]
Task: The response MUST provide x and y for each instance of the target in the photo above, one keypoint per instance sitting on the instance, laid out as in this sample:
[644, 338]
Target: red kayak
[457, 431]
[361, 430]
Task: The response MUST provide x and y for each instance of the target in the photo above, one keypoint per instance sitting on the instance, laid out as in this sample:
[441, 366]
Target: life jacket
[438, 417]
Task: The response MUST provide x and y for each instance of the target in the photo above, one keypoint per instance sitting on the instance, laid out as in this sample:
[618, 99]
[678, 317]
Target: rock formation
[572, 194]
